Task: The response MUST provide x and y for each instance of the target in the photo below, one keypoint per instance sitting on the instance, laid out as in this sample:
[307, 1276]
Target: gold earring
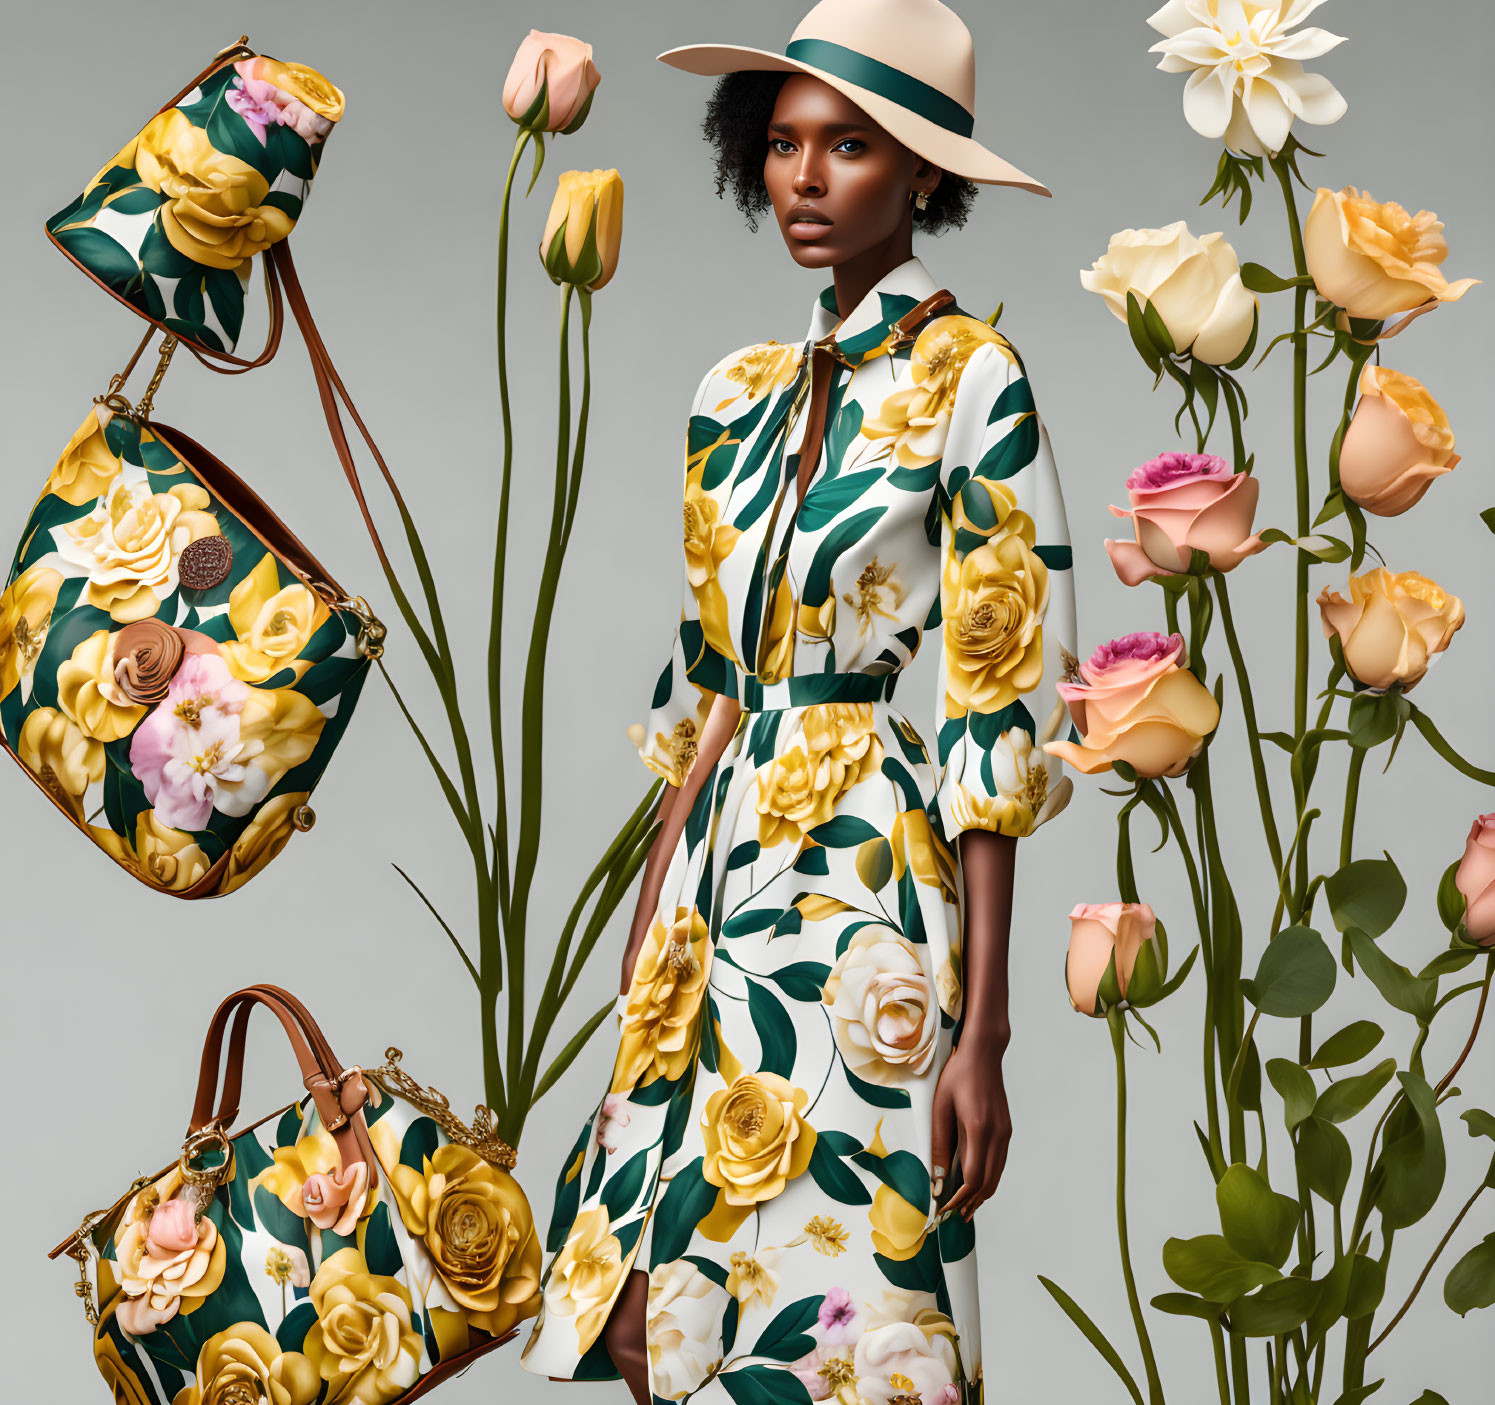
[921, 200]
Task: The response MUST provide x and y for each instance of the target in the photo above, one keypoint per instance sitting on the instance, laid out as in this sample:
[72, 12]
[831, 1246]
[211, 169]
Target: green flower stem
[1115, 1018]
[1253, 735]
[1351, 797]
[1428, 1268]
[500, 550]
[1222, 1377]
[531, 776]
[1479, 1015]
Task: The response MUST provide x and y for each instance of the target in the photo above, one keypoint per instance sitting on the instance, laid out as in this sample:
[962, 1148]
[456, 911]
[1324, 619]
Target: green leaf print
[291, 1334]
[844, 832]
[762, 1385]
[775, 1031]
[828, 499]
[837, 541]
[380, 1251]
[419, 1142]
[104, 257]
[622, 1190]
[835, 1177]
[786, 1337]
[682, 1207]
[875, 1093]
[802, 980]
[1012, 453]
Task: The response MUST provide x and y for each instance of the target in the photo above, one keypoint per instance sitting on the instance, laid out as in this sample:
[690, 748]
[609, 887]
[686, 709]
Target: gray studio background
[108, 988]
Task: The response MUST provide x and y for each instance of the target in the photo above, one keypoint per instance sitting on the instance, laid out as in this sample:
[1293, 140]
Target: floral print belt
[754, 695]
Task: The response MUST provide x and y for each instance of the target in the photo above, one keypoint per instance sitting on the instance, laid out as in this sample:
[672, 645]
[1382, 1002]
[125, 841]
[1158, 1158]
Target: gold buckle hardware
[114, 398]
[203, 1184]
[371, 629]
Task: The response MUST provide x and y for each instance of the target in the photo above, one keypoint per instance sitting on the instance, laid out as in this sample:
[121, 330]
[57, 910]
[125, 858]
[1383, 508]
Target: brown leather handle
[339, 1097]
[227, 364]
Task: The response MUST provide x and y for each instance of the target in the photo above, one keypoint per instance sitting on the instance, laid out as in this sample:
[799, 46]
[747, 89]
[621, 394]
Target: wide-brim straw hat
[910, 65]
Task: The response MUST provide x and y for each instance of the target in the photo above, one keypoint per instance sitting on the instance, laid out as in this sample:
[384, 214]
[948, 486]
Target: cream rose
[363, 1344]
[1392, 627]
[903, 1361]
[245, 1363]
[883, 1006]
[586, 1275]
[1397, 443]
[477, 1226]
[1193, 283]
[1475, 879]
[683, 1320]
[129, 544]
[659, 1027]
[1376, 260]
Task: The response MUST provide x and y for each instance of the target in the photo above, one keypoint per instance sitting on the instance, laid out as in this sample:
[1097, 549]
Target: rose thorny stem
[500, 549]
[1115, 1018]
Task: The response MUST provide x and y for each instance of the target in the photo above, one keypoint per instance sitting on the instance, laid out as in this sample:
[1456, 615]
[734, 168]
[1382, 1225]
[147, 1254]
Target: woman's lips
[809, 228]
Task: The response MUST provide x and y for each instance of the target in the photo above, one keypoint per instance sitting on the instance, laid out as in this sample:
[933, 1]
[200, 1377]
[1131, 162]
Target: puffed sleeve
[1007, 606]
[696, 669]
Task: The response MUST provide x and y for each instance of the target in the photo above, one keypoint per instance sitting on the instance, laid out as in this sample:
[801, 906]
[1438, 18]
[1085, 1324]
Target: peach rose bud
[173, 1229]
[550, 83]
[1096, 932]
[1475, 879]
[1397, 443]
[1392, 627]
[1181, 503]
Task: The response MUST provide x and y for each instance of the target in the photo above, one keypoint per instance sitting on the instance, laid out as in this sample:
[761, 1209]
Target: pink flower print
[172, 1229]
[332, 1201]
[807, 1371]
[836, 1313]
[611, 1120]
[947, 1394]
[257, 114]
[190, 743]
[280, 106]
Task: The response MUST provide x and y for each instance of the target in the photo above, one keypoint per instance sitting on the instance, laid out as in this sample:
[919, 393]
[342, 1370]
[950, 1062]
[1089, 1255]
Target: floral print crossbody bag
[360, 1244]
[176, 668]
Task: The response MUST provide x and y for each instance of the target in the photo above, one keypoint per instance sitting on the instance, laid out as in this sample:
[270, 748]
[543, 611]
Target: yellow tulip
[584, 228]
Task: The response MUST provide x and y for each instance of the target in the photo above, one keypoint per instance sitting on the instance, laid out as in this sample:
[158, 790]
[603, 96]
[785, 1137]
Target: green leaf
[1349, 1097]
[1263, 280]
[1471, 1282]
[1138, 328]
[1092, 1334]
[1368, 894]
[786, 1336]
[1186, 1305]
[1400, 988]
[1295, 976]
[1367, 1286]
[1375, 717]
[1480, 1122]
[1445, 963]
[1257, 1221]
[843, 832]
[1488, 518]
[1282, 1306]
[1348, 1045]
[685, 1203]
[1157, 330]
[1451, 902]
[763, 1385]
[1324, 1157]
[1412, 1165]
[1360, 1392]
[1208, 1266]
[1294, 1085]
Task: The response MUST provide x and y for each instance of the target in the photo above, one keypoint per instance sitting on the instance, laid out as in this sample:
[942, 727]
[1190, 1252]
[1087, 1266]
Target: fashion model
[772, 1200]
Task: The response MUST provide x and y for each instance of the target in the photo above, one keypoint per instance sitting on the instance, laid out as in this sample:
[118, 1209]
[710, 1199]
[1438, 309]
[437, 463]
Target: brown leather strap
[231, 54]
[822, 364]
[331, 388]
[236, 365]
[339, 1097]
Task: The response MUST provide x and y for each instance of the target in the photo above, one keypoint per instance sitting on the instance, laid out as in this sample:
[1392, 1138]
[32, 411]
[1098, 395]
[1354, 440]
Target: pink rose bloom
[947, 1394]
[1475, 879]
[276, 106]
[332, 1202]
[1137, 703]
[611, 1120]
[257, 115]
[172, 1229]
[188, 748]
[1181, 502]
[1095, 931]
[562, 66]
[837, 1312]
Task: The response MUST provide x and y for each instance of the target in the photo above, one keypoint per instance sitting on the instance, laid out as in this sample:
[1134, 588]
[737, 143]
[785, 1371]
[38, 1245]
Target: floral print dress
[763, 1149]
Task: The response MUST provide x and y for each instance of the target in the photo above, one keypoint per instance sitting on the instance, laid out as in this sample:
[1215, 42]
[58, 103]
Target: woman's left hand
[970, 1102]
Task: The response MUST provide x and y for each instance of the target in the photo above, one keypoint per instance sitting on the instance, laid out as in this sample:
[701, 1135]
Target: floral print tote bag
[176, 668]
[359, 1245]
[171, 223]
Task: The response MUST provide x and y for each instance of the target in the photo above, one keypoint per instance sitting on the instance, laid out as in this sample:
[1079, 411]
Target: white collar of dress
[867, 325]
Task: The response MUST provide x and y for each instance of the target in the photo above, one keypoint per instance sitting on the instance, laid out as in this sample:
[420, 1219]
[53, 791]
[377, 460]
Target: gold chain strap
[75, 1250]
[482, 1137]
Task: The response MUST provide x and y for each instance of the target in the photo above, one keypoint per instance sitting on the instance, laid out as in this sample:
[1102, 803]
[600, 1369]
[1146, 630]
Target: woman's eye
[778, 144]
[856, 142]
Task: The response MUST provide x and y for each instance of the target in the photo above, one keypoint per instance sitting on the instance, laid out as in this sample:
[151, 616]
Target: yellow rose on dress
[129, 544]
[659, 1028]
[214, 211]
[1397, 443]
[1376, 260]
[478, 1228]
[363, 1344]
[89, 696]
[756, 1137]
[917, 417]
[708, 542]
[87, 466]
[916, 846]
[585, 1276]
[25, 616]
[1022, 786]
[166, 857]
[245, 1363]
[263, 838]
[1392, 627]
[272, 625]
[53, 748]
[994, 600]
[898, 1228]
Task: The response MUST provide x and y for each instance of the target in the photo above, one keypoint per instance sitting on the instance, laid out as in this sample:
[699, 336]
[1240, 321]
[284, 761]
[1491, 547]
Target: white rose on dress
[882, 1006]
[926, 1358]
[684, 1328]
[1193, 282]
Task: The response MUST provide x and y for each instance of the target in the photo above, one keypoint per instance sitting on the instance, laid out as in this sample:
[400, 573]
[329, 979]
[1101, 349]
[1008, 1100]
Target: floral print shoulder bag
[176, 668]
[360, 1244]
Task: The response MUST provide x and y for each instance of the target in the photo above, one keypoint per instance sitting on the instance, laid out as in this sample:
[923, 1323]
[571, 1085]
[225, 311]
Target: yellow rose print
[660, 1025]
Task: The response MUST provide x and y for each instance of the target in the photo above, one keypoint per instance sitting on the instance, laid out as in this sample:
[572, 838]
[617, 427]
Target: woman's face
[838, 182]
